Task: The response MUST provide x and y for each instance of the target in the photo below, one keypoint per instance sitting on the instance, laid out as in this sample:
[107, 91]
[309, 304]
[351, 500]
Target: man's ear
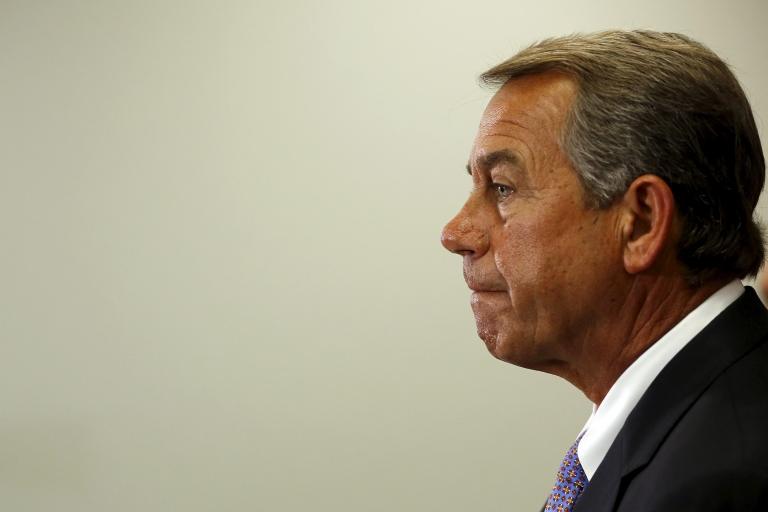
[647, 223]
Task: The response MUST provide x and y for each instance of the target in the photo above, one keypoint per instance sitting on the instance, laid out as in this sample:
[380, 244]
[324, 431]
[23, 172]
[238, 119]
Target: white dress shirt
[607, 419]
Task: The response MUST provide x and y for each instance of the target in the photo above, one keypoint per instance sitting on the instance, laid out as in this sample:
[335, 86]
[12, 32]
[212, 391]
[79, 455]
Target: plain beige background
[221, 284]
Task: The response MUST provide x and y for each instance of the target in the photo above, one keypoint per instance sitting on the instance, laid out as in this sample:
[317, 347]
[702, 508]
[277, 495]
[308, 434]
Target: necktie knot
[570, 483]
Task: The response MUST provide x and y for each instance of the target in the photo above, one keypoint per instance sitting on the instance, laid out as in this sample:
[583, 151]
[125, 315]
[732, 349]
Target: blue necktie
[570, 483]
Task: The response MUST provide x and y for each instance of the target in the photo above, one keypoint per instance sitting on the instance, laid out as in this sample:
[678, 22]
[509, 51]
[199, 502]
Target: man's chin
[489, 340]
[494, 344]
[507, 350]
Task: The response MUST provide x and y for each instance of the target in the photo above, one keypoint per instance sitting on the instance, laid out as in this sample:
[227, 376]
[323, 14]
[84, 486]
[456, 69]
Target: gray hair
[661, 103]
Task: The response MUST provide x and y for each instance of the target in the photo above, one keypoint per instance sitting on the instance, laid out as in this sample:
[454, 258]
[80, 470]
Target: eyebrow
[494, 158]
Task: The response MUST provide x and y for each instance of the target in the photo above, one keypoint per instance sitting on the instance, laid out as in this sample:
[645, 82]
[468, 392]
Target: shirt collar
[604, 424]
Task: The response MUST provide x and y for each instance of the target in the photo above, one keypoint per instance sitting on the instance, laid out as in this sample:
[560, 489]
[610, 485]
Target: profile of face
[538, 260]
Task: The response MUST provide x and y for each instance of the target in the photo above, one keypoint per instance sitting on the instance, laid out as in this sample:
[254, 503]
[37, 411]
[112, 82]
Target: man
[611, 219]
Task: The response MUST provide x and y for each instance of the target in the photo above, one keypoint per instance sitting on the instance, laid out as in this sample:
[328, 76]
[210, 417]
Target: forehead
[526, 116]
[536, 98]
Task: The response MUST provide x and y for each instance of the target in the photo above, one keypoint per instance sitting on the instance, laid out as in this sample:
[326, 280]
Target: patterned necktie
[570, 483]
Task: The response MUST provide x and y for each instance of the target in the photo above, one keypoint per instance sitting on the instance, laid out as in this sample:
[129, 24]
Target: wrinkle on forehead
[528, 101]
[505, 119]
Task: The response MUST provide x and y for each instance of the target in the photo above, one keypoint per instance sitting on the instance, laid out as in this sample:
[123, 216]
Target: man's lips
[479, 280]
[482, 287]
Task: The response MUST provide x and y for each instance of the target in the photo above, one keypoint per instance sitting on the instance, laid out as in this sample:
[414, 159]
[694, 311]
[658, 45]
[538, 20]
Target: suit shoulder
[716, 455]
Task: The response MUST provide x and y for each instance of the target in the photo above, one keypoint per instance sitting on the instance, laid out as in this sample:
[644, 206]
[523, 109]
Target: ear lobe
[647, 227]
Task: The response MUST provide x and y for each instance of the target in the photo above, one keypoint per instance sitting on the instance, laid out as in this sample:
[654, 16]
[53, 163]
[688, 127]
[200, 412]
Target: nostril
[466, 234]
[455, 244]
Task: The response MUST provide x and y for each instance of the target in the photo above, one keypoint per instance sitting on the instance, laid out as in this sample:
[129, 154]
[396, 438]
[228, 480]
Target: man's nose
[463, 235]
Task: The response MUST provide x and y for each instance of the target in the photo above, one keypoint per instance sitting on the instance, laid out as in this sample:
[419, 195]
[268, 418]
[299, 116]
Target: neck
[650, 308]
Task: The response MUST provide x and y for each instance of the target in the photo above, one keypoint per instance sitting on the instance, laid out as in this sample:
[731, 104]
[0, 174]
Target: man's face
[539, 262]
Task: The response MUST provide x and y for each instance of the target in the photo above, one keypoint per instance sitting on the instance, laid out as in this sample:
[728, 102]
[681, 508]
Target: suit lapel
[733, 333]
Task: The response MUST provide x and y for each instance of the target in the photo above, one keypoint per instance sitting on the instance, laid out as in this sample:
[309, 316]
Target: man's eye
[502, 191]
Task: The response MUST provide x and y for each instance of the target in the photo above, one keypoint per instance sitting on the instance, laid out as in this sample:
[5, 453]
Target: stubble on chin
[490, 309]
[489, 336]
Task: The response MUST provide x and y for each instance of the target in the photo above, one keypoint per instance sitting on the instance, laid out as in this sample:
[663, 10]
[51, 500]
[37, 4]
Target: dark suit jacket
[698, 438]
